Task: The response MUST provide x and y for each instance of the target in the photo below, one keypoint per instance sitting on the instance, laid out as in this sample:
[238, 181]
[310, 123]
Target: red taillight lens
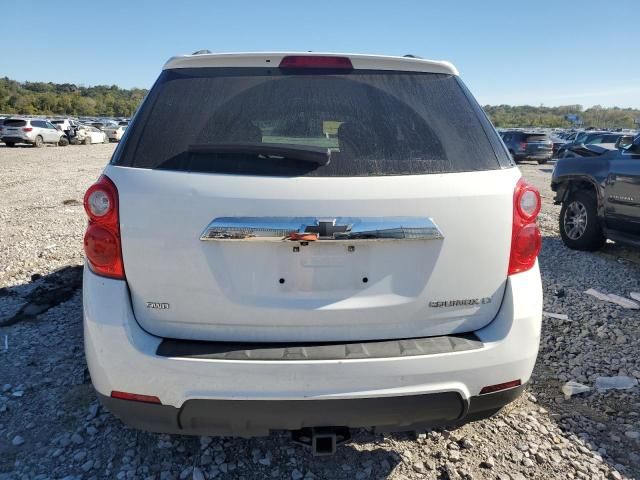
[102, 244]
[135, 397]
[27, 129]
[315, 61]
[523, 145]
[525, 236]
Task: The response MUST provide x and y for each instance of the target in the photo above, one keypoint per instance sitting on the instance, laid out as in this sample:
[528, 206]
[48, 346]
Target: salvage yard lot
[52, 427]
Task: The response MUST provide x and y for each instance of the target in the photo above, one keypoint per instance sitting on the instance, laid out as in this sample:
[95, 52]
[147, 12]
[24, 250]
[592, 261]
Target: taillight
[523, 145]
[27, 129]
[316, 61]
[525, 236]
[102, 243]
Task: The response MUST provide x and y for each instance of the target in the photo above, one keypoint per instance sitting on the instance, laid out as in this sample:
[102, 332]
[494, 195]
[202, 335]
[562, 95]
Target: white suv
[33, 131]
[289, 241]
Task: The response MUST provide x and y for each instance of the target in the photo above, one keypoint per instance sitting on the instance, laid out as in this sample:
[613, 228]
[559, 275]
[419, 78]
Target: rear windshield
[601, 138]
[537, 138]
[15, 123]
[373, 122]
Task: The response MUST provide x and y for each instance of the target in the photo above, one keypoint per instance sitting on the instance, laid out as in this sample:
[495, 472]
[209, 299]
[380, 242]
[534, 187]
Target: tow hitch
[322, 440]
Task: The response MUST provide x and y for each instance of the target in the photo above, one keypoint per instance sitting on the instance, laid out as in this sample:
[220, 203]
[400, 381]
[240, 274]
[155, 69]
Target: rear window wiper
[319, 155]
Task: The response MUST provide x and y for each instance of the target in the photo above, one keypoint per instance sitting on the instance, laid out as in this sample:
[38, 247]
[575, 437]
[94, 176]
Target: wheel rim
[38, 141]
[575, 220]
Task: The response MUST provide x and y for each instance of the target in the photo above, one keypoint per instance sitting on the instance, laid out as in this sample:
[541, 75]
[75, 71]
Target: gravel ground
[51, 426]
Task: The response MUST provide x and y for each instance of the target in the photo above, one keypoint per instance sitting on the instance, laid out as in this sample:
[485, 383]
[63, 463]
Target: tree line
[47, 98]
[529, 116]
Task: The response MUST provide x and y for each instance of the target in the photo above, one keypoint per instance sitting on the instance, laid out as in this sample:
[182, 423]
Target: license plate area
[286, 273]
[317, 267]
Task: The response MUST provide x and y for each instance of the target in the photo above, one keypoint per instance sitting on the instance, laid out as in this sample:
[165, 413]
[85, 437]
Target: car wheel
[542, 162]
[86, 141]
[10, 144]
[580, 227]
[39, 143]
[106, 139]
[64, 141]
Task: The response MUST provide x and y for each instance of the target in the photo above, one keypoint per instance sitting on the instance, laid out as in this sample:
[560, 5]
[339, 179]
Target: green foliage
[529, 116]
[39, 98]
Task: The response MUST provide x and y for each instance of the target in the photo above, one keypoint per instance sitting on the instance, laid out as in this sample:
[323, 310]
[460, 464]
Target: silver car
[35, 132]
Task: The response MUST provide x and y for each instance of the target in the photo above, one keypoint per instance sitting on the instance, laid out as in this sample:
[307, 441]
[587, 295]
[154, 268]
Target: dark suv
[600, 198]
[573, 148]
[528, 145]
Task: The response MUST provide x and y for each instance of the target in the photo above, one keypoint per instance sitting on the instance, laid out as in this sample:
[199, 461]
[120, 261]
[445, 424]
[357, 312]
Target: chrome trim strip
[328, 229]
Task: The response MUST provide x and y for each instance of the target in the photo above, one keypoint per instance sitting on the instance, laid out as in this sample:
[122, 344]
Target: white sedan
[115, 132]
[89, 135]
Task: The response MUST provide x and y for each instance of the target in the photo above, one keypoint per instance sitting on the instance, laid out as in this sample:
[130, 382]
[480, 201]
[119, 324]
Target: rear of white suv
[31, 131]
[285, 241]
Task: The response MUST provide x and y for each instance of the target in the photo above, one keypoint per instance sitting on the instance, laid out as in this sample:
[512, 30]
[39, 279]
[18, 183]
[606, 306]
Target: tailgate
[262, 287]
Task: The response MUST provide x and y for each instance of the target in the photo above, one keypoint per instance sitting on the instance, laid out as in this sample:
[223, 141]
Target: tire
[542, 162]
[580, 226]
[64, 141]
[106, 139]
[86, 141]
[39, 143]
[10, 144]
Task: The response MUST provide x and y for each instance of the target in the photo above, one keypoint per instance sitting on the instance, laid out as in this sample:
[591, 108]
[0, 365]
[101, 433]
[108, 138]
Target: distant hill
[39, 98]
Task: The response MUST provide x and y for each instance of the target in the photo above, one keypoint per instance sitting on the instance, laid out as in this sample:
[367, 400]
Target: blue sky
[517, 51]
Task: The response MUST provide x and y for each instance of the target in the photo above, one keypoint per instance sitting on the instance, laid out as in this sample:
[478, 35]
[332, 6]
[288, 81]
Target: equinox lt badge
[459, 303]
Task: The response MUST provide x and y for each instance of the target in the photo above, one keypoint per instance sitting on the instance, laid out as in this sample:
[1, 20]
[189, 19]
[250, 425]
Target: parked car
[115, 133]
[88, 135]
[64, 124]
[600, 198]
[557, 142]
[292, 261]
[599, 145]
[588, 138]
[102, 124]
[31, 131]
[524, 145]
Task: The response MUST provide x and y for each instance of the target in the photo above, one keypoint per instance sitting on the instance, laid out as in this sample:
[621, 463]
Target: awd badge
[158, 305]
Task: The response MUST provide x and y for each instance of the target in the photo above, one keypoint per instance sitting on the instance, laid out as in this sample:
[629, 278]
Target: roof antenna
[201, 52]
[409, 55]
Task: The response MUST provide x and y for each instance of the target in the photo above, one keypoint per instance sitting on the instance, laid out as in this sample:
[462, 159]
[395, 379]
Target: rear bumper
[534, 156]
[17, 139]
[259, 417]
[250, 397]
